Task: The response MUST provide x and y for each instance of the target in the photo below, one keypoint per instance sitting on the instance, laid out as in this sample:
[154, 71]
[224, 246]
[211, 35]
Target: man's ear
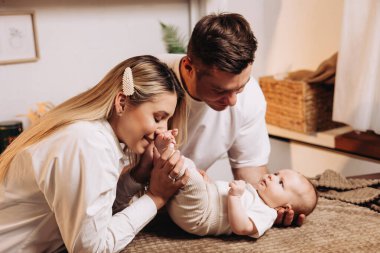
[120, 103]
[188, 65]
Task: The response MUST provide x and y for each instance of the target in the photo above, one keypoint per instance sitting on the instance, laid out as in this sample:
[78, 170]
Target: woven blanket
[365, 192]
[334, 226]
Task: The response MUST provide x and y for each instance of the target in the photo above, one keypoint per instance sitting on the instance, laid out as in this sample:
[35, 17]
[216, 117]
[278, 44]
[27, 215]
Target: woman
[59, 178]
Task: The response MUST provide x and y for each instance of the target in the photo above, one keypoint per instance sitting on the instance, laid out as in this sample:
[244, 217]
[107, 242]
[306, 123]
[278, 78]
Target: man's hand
[250, 175]
[286, 217]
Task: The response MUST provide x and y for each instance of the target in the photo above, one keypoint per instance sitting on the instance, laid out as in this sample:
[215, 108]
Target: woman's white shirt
[61, 190]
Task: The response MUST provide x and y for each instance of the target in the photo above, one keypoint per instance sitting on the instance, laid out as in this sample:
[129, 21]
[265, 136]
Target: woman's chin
[140, 149]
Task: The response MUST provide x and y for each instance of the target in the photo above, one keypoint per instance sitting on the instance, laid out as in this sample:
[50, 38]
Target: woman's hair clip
[128, 85]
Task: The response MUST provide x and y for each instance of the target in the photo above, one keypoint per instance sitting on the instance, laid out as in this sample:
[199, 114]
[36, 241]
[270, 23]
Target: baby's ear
[287, 207]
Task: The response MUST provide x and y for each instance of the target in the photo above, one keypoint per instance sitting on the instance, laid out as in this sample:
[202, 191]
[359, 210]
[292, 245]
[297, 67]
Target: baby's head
[288, 188]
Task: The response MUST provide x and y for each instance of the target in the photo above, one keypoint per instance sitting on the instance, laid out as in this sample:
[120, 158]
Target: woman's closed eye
[157, 119]
[159, 116]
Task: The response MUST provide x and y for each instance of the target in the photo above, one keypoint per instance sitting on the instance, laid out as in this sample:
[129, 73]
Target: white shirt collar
[120, 146]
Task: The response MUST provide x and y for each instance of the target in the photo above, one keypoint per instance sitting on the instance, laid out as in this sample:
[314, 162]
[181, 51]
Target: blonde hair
[151, 77]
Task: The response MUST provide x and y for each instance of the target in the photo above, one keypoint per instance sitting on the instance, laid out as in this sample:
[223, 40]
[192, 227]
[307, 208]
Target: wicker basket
[297, 105]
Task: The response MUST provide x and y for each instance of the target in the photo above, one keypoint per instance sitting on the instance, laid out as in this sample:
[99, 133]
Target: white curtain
[357, 87]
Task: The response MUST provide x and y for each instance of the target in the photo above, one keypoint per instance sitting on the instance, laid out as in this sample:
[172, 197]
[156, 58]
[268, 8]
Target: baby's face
[282, 188]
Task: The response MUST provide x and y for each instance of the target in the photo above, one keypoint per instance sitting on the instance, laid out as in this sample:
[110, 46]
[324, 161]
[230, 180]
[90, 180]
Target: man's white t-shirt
[239, 130]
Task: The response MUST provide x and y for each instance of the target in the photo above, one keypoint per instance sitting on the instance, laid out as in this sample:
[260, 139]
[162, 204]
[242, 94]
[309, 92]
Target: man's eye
[240, 89]
[157, 119]
[219, 91]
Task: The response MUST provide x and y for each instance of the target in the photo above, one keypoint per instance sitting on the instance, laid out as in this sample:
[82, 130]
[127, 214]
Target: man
[227, 107]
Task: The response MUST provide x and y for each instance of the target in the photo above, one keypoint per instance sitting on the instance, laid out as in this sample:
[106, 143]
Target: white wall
[79, 41]
[300, 34]
[292, 34]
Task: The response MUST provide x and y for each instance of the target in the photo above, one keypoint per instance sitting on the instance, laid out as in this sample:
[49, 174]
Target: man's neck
[186, 83]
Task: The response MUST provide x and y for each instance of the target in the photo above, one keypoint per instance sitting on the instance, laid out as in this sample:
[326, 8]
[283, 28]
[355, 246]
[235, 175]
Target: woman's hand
[141, 172]
[162, 187]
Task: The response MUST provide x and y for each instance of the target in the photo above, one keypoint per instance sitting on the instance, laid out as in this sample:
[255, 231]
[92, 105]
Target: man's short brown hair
[224, 41]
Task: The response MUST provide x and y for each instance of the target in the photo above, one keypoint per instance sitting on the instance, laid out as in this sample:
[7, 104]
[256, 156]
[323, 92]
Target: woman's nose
[159, 130]
[151, 136]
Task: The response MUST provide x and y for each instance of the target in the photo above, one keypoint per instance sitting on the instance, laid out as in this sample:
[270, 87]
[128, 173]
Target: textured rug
[364, 192]
[334, 226]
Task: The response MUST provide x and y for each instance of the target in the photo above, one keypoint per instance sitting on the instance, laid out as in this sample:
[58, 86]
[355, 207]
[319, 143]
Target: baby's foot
[163, 140]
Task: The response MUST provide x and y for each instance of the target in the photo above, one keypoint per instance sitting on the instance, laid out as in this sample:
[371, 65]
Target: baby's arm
[239, 221]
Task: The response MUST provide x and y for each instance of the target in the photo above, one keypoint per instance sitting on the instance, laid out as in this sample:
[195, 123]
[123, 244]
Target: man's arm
[251, 175]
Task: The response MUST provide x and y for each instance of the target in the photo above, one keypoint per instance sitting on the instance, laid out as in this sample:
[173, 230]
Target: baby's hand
[164, 139]
[237, 188]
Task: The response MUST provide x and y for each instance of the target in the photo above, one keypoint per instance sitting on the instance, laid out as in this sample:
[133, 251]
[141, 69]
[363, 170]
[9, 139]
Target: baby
[203, 207]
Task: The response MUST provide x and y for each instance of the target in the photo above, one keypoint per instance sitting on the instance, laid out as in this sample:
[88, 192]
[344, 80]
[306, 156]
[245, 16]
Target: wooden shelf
[343, 139]
[324, 139]
[368, 176]
[361, 143]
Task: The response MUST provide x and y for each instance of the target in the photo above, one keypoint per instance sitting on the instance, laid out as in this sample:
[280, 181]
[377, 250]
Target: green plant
[173, 42]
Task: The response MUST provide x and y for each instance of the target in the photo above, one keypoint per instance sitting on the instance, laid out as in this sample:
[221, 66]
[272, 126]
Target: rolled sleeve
[131, 220]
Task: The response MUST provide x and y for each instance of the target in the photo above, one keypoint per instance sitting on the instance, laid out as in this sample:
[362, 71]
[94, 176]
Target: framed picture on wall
[18, 37]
